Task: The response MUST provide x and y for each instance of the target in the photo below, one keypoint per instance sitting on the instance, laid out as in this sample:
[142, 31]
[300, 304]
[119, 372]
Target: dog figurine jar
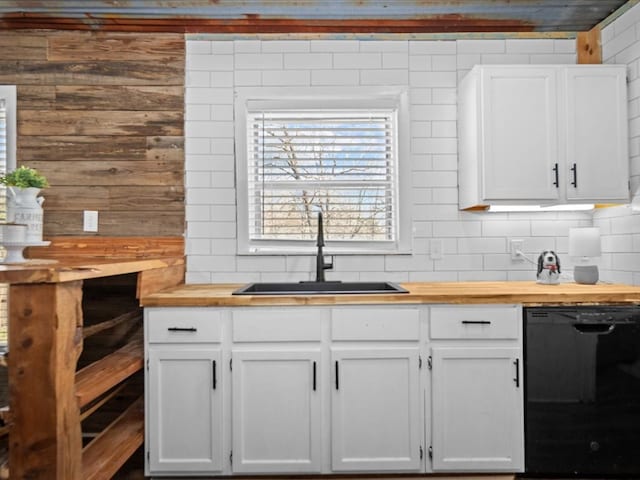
[548, 268]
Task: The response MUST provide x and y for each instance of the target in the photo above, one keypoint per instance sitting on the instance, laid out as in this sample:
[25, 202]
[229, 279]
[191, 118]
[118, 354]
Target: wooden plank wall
[101, 115]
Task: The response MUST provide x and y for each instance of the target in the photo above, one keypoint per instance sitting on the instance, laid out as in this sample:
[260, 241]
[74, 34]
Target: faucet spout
[321, 265]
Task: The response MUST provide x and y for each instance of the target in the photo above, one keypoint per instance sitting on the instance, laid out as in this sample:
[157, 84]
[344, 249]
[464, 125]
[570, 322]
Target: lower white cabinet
[375, 405]
[336, 389]
[184, 409]
[276, 411]
[477, 409]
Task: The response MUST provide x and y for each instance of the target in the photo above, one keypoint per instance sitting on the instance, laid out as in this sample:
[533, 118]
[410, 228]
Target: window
[7, 162]
[338, 156]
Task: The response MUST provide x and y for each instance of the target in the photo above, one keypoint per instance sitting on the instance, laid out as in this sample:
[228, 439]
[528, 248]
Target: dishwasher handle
[595, 328]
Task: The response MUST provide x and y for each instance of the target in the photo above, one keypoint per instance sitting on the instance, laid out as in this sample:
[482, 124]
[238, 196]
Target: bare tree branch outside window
[342, 163]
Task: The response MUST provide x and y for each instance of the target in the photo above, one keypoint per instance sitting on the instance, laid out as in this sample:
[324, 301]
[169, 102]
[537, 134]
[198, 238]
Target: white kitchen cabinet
[184, 410]
[597, 157]
[548, 134]
[477, 422]
[183, 391]
[477, 409]
[276, 413]
[375, 409]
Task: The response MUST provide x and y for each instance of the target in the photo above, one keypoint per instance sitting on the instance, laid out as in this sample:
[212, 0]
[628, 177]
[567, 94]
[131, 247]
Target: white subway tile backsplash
[335, 46]
[286, 46]
[299, 61]
[433, 47]
[247, 78]
[357, 60]
[432, 79]
[335, 77]
[420, 63]
[506, 228]
[286, 78]
[475, 245]
[259, 61]
[387, 46]
[384, 77]
[530, 46]
[481, 46]
[395, 61]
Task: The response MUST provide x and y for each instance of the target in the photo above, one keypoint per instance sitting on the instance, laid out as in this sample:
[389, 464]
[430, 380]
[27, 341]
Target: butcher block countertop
[527, 293]
[66, 269]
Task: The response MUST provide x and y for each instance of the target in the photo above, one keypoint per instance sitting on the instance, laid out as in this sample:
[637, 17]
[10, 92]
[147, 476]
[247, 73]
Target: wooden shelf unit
[49, 395]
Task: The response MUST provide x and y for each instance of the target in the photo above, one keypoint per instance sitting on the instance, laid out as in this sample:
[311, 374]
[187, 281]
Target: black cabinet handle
[476, 322]
[337, 376]
[314, 376]
[517, 379]
[557, 181]
[574, 169]
[215, 379]
[182, 329]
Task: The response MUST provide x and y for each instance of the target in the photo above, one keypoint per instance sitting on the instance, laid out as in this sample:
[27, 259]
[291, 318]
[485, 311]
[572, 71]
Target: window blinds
[342, 163]
[3, 156]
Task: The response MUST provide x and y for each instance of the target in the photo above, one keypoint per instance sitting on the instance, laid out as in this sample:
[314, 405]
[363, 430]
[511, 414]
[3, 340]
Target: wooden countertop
[528, 293]
[66, 269]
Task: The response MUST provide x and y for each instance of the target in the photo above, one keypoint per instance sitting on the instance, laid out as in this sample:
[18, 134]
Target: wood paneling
[101, 114]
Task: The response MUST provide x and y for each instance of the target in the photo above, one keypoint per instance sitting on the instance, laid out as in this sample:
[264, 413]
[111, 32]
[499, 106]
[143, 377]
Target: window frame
[247, 99]
[9, 95]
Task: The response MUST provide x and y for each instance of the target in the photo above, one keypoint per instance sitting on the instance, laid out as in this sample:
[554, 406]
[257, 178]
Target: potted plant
[23, 204]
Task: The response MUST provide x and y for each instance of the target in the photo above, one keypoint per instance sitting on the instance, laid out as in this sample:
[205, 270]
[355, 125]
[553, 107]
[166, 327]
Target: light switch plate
[90, 223]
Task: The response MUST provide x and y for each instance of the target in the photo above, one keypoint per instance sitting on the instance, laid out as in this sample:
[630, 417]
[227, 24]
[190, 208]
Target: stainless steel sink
[319, 288]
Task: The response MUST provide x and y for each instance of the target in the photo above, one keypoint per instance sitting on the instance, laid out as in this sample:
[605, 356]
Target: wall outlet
[516, 249]
[90, 223]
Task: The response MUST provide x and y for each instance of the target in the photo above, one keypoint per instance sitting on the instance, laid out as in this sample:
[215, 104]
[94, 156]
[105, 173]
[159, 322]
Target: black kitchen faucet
[321, 266]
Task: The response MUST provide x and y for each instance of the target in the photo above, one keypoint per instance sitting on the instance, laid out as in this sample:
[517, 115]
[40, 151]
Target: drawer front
[462, 322]
[371, 324]
[277, 325]
[184, 325]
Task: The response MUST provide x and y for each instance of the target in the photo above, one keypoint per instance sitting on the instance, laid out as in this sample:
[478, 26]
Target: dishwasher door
[582, 391]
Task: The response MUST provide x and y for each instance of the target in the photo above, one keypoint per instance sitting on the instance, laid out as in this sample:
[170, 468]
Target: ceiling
[312, 16]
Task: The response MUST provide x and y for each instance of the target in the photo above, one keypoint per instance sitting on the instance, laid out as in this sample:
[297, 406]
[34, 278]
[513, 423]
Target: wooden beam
[101, 376]
[45, 338]
[107, 324]
[110, 247]
[106, 453]
[589, 46]
[152, 281]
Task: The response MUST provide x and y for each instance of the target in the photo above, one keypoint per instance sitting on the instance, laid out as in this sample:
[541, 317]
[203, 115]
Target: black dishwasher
[582, 391]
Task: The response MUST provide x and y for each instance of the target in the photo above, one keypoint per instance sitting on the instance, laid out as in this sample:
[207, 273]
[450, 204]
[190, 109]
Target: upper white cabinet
[543, 135]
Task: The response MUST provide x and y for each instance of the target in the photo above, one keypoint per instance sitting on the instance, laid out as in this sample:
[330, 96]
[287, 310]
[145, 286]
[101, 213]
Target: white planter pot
[25, 207]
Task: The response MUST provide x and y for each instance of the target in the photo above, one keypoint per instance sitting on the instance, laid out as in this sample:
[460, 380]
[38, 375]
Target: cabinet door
[597, 158]
[477, 420]
[184, 410]
[375, 409]
[520, 133]
[276, 411]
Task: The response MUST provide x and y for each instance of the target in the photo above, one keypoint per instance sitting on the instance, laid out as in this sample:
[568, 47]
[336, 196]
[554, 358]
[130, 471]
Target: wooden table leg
[45, 341]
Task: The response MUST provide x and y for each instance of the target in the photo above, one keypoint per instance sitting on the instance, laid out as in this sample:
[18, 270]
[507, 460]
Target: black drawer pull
[517, 379]
[337, 376]
[215, 379]
[476, 322]
[182, 329]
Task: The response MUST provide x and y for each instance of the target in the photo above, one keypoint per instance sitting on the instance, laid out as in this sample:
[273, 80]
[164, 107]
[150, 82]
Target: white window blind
[341, 162]
[3, 156]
